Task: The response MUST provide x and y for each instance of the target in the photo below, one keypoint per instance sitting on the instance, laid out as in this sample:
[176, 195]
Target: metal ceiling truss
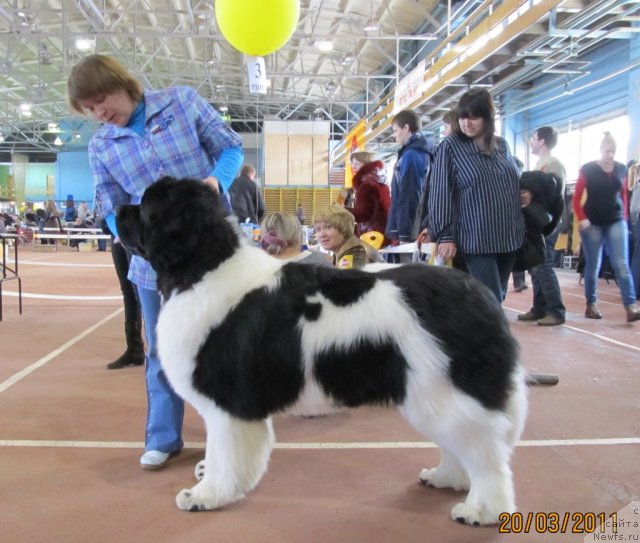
[177, 42]
[551, 37]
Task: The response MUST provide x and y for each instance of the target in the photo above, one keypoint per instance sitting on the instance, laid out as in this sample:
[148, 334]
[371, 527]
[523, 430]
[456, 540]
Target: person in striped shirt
[474, 200]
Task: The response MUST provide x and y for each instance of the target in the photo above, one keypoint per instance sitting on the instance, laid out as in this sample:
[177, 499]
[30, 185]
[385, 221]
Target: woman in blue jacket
[144, 136]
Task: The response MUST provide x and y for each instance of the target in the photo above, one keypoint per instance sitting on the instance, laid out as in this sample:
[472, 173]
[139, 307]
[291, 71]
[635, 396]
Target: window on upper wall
[578, 146]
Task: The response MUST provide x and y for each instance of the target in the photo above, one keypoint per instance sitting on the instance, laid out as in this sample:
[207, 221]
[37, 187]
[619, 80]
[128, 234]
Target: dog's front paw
[466, 514]
[440, 478]
[203, 497]
[186, 501]
[199, 470]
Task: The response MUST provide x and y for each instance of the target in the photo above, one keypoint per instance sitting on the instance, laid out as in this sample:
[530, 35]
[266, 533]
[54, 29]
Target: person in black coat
[246, 200]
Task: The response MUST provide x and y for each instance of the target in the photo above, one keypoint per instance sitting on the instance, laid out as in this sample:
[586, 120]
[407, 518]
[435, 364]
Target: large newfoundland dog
[242, 335]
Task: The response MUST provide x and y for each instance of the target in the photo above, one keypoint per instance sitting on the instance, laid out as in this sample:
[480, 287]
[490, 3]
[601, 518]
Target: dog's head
[181, 228]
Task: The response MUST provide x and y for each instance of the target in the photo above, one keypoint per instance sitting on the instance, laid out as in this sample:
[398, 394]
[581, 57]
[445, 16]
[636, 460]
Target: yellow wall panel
[276, 148]
[320, 160]
[300, 159]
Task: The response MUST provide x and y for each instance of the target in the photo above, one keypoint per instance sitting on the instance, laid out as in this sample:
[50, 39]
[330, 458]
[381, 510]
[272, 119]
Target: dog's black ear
[130, 229]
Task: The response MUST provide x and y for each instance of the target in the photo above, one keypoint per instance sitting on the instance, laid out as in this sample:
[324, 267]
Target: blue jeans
[635, 259]
[491, 269]
[547, 297]
[165, 409]
[616, 239]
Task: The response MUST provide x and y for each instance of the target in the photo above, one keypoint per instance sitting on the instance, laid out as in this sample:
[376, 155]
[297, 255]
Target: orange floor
[71, 435]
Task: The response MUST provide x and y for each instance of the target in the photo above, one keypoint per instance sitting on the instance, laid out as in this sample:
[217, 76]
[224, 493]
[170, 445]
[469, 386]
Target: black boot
[134, 355]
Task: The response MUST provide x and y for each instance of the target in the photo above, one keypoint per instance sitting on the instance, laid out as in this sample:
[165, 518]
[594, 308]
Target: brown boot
[592, 312]
[633, 313]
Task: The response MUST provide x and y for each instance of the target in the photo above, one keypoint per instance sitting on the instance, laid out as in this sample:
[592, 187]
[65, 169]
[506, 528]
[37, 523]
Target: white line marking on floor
[319, 446]
[603, 338]
[45, 359]
[592, 334]
[63, 264]
[601, 301]
[14, 294]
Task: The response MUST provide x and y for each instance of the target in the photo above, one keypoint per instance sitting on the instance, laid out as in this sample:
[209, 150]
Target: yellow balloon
[257, 27]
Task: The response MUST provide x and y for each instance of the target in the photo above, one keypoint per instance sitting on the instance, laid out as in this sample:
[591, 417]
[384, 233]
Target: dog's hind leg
[486, 460]
[485, 450]
[236, 458]
[199, 470]
[448, 474]
[476, 445]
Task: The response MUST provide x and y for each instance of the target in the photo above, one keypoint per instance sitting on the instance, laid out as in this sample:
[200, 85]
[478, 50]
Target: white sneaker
[154, 460]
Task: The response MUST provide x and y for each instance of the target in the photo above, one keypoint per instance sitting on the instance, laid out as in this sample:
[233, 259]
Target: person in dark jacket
[409, 176]
[246, 200]
[548, 309]
[542, 207]
[134, 352]
[372, 196]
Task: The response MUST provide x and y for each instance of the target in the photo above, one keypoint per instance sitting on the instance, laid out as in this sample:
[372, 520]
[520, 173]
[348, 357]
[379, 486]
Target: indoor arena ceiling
[375, 43]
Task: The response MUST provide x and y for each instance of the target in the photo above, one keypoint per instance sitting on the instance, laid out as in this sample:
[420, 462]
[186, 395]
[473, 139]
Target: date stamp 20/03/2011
[553, 522]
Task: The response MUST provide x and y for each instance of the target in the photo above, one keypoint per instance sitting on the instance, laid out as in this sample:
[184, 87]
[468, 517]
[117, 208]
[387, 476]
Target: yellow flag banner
[353, 143]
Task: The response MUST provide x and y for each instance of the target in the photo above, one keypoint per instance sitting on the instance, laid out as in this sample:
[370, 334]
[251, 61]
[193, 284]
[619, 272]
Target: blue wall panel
[74, 176]
[589, 101]
[35, 185]
[589, 98]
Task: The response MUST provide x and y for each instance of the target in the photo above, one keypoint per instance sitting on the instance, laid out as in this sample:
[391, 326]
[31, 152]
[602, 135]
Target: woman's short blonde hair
[338, 217]
[98, 74]
[362, 156]
[280, 230]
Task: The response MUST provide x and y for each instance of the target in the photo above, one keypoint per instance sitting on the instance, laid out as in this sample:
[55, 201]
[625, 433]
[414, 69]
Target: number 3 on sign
[257, 75]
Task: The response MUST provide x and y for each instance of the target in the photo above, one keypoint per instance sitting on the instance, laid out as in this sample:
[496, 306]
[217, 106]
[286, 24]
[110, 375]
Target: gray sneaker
[530, 315]
[551, 320]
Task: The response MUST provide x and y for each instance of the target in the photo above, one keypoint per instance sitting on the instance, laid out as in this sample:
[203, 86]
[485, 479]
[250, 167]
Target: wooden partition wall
[286, 199]
[296, 153]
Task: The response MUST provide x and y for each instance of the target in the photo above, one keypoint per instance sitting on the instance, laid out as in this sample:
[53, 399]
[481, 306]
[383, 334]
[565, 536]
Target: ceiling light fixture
[372, 25]
[85, 44]
[57, 141]
[324, 45]
[347, 59]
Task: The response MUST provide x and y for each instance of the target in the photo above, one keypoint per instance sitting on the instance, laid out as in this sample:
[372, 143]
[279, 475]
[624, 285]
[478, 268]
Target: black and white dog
[242, 335]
